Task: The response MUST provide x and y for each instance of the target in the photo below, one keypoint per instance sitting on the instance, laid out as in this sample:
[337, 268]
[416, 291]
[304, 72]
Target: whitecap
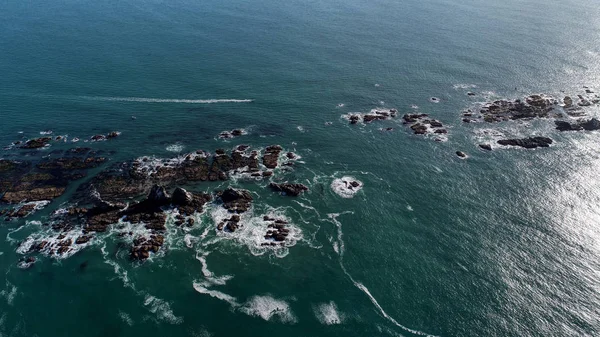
[340, 105]
[203, 289]
[267, 307]
[47, 132]
[162, 309]
[346, 187]
[9, 295]
[327, 313]
[126, 318]
[464, 86]
[177, 147]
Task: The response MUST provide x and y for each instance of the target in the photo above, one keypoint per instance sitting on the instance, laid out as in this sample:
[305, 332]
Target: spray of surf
[164, 100]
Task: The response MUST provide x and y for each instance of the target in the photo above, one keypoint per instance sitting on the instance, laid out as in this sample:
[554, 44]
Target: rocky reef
[374, 115]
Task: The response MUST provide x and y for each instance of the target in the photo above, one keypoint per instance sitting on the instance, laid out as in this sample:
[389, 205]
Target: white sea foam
[210, 277]
[164, 100]
[343, 188]
[267, 307]
[341, 105]
[162, 309]
[327, 313]
[301, 128]
[47, 132]
[203, 289]
[126, 318]
[464, 86]
[253, 229]
[177, 147]
[9, 293]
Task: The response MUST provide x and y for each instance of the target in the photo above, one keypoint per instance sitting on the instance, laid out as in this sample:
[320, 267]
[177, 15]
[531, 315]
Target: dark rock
[182, 197]
[36, 143]
[461, 154]
[288, 188]
[271, 156]
[82, 239]
[237, 201]
[487, 147]
[97, 138]
[158, 195]
[236, 132]
[113, 134]
[588, 125]
[528, 143]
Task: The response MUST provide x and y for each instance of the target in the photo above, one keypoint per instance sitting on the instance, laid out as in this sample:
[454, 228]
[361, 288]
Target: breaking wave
[164, 100]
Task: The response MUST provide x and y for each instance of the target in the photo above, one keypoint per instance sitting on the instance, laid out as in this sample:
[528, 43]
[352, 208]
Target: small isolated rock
[487, 147]
[461, 154]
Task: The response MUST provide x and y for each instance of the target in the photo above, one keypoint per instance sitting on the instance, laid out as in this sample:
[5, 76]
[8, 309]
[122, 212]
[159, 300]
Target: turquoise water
[505, 243]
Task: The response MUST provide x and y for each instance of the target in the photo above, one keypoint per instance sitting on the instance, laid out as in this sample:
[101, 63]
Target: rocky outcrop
[486, 147]
[271, 156]
[36, 143]
[420, 124]
[288, 188]
[143, 246]
[277, 233]
[374, 115]
[234, 200]
[528, 143]
[588, 125]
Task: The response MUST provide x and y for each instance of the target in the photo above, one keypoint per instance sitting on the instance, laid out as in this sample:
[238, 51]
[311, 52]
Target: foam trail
[361, 286]
[164, 100]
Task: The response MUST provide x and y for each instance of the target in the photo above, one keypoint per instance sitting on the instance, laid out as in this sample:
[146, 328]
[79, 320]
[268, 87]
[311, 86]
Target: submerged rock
[288, 188]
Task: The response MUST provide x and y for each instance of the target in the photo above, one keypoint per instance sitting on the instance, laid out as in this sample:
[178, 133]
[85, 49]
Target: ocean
[500, 243]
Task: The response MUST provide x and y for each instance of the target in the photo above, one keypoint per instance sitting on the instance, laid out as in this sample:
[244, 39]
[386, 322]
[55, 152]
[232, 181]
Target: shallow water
[502, 243]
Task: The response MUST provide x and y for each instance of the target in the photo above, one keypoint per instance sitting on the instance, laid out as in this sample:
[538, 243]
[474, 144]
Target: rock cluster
[231, 134]
[375, 115]
[277, 233]
[420, 124]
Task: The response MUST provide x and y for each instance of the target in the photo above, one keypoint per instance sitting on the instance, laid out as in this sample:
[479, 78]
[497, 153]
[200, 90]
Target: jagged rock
[289, 189]
[528, 143]
[182, 197]
[237, 201]
[158, 194]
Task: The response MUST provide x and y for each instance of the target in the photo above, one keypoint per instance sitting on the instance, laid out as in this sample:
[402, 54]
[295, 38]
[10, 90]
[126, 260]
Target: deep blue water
[505, 243]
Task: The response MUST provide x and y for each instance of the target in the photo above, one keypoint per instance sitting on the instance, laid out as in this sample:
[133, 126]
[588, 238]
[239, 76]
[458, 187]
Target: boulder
[487, 147]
